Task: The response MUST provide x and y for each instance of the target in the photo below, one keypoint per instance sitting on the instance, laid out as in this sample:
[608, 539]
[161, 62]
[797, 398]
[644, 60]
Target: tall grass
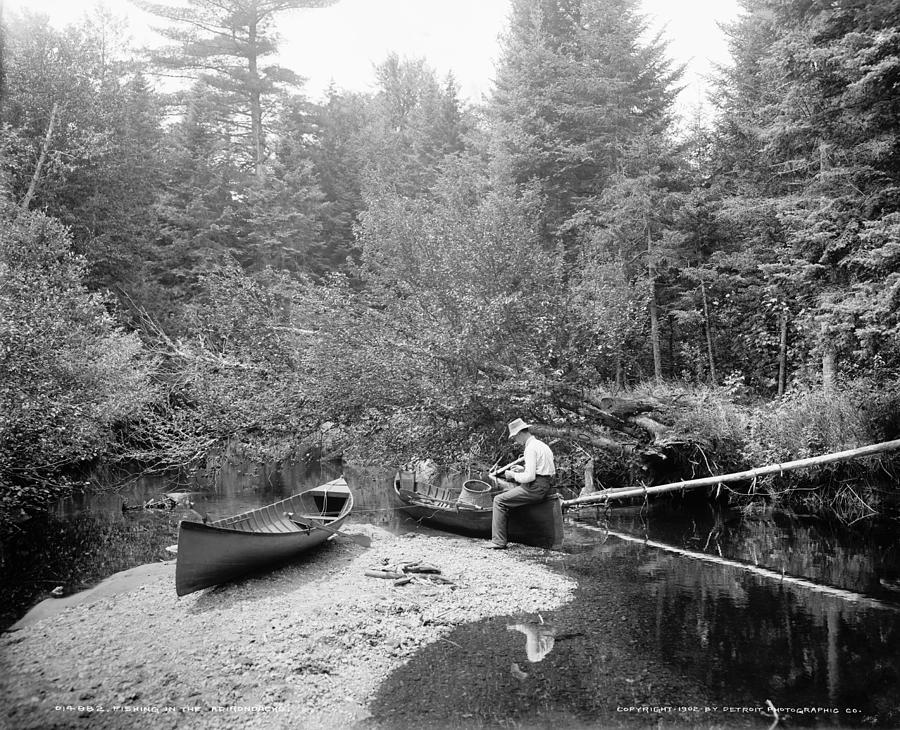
[807, 422]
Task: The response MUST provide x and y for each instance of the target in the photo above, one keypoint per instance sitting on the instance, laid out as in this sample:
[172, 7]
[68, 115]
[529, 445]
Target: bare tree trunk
[654, 312]
[829, 362]
[42, 158]
[829, 368]
[782, 351]
[833, 622]
[2, 60]
[256, 130]
[671, 346]
[588, 487]
[620, 373]
[709, 344]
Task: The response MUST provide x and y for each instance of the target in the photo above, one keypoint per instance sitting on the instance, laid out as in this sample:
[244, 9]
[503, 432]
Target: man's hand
[508, 475]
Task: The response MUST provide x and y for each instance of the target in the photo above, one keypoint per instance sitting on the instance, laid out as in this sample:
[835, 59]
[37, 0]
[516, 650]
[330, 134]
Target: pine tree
[277, 223]
[809, 134]
[415, 123]
[84, 145]
[337, 153]
[225, 45]
[195, 208]
[575, 87]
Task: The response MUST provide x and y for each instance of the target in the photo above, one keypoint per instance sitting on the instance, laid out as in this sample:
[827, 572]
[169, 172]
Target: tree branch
[32, 187]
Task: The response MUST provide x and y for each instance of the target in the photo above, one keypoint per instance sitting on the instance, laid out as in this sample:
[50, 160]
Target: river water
[682, 617]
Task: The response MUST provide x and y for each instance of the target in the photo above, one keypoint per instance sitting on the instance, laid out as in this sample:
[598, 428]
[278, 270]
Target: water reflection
[239, 487]
[753, 631]
[657, 627]
[859, 560]
[757, 636]
[663, 562]
[539, 638]
[95, 533]
[62, 555]
[672, 610]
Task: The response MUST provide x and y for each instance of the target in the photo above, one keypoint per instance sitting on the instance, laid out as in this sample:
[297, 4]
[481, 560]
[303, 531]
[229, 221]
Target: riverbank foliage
[394, 275]
[72, 377]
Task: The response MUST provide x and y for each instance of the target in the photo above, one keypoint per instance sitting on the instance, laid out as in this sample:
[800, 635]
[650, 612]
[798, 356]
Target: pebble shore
[304, 647]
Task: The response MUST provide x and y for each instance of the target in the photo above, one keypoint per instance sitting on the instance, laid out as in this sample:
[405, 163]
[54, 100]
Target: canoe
[221, 551]
[539, 524]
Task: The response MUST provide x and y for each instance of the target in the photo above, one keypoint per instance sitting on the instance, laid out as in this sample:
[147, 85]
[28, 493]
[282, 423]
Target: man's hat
[516, 426]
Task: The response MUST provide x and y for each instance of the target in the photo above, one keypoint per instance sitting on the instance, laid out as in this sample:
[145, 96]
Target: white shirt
[538, 461]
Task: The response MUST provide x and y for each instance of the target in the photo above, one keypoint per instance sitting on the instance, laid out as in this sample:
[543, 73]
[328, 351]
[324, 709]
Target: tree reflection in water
[806, 618]
[652, 629]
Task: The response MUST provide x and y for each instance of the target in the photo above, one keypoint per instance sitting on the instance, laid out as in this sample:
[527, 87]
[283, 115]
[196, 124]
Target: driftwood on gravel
[312, 640]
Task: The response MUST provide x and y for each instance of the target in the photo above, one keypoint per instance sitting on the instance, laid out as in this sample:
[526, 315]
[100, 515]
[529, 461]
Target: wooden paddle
[363, 540]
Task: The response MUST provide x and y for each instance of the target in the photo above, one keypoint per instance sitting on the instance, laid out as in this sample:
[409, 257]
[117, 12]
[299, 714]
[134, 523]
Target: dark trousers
[529, 493]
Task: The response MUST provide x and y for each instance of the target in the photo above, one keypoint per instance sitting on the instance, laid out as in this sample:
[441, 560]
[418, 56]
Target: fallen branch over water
[608, 495]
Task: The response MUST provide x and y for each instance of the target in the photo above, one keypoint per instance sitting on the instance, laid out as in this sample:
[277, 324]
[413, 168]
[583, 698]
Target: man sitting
[534, 480]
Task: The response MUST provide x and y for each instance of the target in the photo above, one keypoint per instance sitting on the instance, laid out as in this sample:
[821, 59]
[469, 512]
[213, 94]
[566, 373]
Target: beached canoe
[220, 551]
[449, 508]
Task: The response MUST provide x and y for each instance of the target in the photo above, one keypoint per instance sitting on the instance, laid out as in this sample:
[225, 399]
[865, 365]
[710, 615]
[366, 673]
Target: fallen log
[626, 407]
[607, 495]
[584, 436]
[654, 428]
[615, 414]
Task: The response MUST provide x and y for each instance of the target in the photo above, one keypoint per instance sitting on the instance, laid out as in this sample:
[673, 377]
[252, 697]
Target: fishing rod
[494, 471]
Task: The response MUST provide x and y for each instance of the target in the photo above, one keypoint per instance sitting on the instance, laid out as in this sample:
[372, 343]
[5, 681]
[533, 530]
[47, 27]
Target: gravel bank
[303, 647]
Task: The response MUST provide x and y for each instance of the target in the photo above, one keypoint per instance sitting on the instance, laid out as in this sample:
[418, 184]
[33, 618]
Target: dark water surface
[97, 533]
[688, 618]
[680, 621]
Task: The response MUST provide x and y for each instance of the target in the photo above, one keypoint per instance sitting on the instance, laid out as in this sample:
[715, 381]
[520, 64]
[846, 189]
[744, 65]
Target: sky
[343, 42]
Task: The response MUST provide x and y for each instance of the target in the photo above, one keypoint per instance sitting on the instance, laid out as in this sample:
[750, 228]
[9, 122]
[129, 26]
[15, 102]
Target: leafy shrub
[68, 376]
[880, 406]
[239, 375]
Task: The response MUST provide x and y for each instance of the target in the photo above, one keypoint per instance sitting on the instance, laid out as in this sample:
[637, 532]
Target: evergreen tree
[225, 45]
[277, 223]
[81, 136]
[574, 87]
[415, 123]
[809, 135]
[337, 152]
[637, 238]
[194, 209]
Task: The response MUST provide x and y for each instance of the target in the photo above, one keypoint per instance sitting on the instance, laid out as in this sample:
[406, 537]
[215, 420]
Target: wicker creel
[477, 494]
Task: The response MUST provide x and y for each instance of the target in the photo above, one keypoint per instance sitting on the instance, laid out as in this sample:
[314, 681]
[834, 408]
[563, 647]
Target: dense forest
[224, 263]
